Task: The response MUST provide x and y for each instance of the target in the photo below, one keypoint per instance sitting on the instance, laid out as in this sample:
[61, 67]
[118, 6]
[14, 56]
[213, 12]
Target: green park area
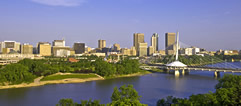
[60, 77]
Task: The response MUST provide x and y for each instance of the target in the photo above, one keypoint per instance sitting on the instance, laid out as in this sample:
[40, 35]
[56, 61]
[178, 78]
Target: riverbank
[143, 72]
[38, 81]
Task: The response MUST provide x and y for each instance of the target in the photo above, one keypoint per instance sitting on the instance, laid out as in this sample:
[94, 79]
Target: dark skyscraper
[79, 48]
[170, 43]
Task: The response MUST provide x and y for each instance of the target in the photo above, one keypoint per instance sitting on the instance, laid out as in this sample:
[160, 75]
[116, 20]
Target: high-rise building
[170, 43]
[26, 49]
[59, 43]
[150, 50]
[12, 46]
[125, 51]
[105, 50]
[133, 51]
[1, 47]
[101, 44]
[154, 41]
[116, 47]
[5, 50]
[142, 49]
[44, 48]
[59, 51]
[79, 48]
[138, 38]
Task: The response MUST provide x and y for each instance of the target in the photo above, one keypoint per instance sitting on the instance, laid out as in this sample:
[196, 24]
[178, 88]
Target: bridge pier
[216, 74]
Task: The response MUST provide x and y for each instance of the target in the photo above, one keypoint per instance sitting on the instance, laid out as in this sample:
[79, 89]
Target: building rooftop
[176, 64]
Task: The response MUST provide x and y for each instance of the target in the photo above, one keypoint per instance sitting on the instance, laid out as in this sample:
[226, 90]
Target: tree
[125, 96]
[16, 74]
[91, 103]
[66, 102]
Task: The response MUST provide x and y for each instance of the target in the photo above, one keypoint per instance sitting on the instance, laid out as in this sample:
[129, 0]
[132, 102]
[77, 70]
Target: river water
[151, 87]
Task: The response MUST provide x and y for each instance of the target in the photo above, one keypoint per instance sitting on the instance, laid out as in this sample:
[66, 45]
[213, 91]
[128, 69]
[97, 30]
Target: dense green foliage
[59, 77]
[229, 57]
[15, 74]
[192, 60]
[26, 70]
[127, 66]
[70, 102]
[127, 96]
[228, 93]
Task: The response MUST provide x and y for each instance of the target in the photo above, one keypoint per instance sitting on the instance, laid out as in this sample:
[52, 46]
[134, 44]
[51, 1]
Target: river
[151, 87]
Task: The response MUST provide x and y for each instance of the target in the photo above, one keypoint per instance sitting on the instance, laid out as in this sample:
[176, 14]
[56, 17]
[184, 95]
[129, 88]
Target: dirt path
[37, 80]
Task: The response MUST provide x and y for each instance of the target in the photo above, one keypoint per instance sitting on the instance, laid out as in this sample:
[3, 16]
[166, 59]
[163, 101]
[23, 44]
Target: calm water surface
[151, 87]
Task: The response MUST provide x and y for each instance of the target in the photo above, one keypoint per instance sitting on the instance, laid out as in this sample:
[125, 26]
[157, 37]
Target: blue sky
[210, 24]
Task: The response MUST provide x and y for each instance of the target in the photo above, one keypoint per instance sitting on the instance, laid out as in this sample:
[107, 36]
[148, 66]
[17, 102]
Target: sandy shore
[37, 81]
[129, 75]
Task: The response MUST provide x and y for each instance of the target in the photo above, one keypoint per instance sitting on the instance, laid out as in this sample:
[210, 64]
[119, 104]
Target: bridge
[216, 70]
[178, 66]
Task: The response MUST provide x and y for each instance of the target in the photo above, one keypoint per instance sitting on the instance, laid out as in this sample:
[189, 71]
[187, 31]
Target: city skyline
[203, 24]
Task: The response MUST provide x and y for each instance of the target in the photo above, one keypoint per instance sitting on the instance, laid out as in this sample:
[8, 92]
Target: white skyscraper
[154, 41]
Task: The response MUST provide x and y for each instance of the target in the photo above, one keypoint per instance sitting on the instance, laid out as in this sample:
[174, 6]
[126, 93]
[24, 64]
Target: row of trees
[124, 96]
[192, 59]
[228, 93]
[127, 66]
[229, 57]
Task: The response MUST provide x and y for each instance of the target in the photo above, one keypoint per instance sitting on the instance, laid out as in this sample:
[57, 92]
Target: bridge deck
[197, 68]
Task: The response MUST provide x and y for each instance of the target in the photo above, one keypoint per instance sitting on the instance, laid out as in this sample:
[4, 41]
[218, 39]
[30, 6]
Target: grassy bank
[60, 77]
[142, 72]
[156, 70]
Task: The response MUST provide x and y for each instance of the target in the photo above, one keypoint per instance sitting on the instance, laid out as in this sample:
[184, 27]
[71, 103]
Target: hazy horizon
[206, 24]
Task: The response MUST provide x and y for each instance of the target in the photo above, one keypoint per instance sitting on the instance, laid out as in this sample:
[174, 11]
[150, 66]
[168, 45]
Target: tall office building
[142, 49]
[26, 49]
[59, 43]
[133, 51]
[101, 44]
[11, 45]
[79, 48]
[59, 49]
[138, 38]
[170, 43]
[150, 50]
[116, 47]
[154, 41]
[1, 47]
[44, 48]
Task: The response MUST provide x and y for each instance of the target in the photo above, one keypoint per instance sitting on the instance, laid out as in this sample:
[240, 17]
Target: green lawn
[60, 77]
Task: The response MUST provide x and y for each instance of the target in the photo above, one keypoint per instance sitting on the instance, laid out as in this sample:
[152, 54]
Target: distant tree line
[192, 59]
[229, 57]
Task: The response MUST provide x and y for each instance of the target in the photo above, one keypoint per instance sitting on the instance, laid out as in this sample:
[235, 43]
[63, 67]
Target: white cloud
[66, 3]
